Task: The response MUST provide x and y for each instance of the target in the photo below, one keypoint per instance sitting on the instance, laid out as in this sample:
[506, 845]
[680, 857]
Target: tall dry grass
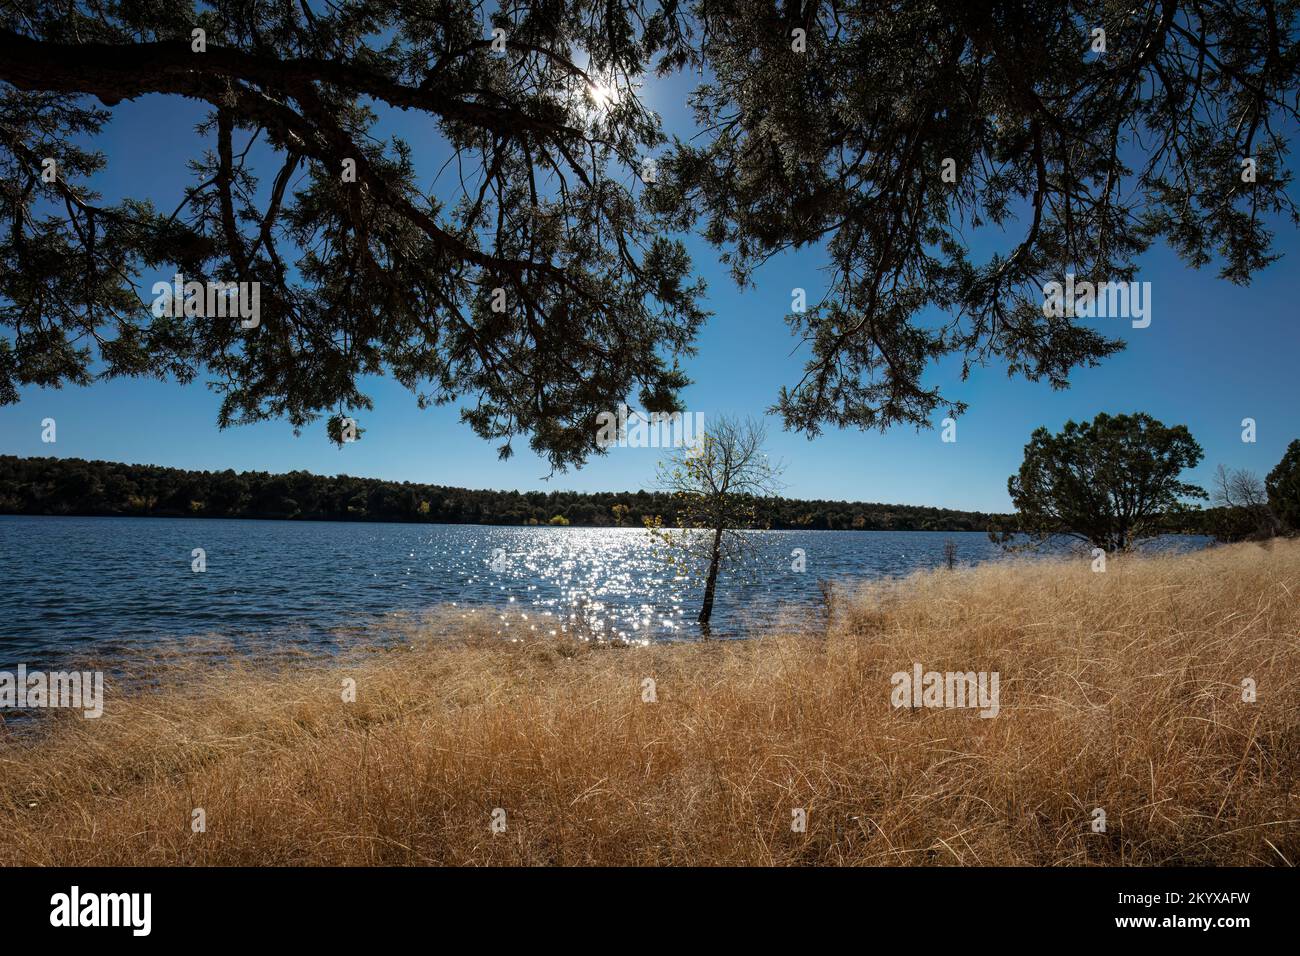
[1119, 690]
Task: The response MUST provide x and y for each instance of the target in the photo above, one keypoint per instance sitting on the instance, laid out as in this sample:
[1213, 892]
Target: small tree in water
[717, 484]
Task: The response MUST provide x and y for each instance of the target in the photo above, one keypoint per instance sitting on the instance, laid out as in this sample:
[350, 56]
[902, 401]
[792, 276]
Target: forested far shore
[73, 486]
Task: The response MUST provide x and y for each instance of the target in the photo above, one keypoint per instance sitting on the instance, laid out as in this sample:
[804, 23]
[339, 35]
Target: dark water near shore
[114, 587]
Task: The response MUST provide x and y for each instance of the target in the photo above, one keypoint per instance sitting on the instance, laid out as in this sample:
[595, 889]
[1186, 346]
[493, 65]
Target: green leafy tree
[1110, 482]
[1283, 485]
[717, 486]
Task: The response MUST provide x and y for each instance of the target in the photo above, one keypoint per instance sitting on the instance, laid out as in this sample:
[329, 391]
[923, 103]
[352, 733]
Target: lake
[113, 587]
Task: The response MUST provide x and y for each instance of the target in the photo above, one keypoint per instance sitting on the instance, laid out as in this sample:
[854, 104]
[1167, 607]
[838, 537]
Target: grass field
[1120, 691]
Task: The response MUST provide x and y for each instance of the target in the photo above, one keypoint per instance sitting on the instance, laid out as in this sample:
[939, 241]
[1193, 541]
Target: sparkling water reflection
[109, 586]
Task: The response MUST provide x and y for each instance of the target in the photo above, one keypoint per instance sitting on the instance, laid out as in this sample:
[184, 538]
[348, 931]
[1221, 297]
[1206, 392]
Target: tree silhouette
[538, 280]
[535, 284]
[1065, 136]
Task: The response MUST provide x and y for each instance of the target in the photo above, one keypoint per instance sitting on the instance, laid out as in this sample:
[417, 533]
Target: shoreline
[1119, 691]
[465, 524]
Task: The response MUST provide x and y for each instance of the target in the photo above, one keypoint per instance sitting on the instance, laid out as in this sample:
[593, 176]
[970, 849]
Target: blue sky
[1214, 354]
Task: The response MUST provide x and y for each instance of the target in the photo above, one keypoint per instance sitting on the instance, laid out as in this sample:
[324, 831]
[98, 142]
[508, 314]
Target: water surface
[106, 587]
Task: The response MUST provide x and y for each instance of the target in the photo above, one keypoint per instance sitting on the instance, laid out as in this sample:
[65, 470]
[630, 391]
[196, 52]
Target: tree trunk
[711, 582]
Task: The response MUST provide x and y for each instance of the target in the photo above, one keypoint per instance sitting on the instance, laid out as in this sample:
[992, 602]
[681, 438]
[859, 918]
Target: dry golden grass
[1118, 690]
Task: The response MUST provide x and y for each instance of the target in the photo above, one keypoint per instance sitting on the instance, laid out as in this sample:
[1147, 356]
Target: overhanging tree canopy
[1097, 154]
[825, 123]
[357, 277]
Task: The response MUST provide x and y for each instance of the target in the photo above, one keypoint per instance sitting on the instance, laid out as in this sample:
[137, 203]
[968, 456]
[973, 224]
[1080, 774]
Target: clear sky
[1214, 354]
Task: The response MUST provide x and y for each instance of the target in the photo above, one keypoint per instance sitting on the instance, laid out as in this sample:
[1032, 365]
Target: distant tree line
[72, 486]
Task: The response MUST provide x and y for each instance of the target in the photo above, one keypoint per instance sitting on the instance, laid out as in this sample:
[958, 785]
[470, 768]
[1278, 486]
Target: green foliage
[1283, 484]
[1227, 525]
[71, 486]
[1110, 482]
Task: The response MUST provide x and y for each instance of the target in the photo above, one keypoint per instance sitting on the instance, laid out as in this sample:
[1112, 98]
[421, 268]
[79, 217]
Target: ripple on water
[123, 584]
